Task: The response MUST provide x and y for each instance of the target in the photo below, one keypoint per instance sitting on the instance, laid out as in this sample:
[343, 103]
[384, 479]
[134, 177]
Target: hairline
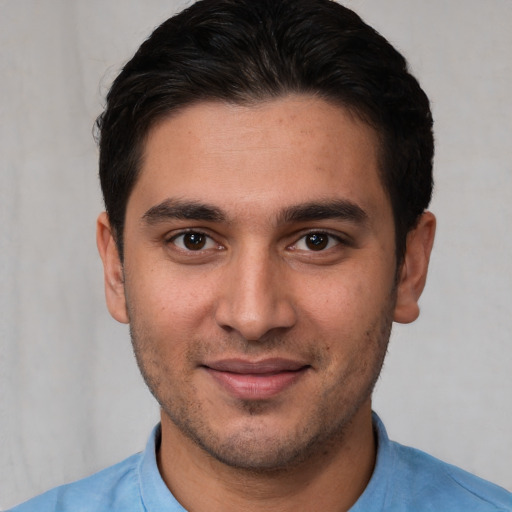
[355, 112]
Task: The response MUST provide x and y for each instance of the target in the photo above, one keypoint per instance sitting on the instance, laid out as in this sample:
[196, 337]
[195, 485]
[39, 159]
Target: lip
[256, 380]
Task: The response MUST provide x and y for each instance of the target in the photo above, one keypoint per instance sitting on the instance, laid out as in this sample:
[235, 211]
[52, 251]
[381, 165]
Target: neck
[330, 480]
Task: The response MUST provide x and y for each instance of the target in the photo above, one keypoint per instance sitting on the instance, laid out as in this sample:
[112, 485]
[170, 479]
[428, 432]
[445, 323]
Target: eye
[193, 241]
[316, 241]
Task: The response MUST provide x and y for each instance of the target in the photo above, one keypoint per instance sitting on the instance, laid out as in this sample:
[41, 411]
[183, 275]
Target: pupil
[194, 241]
[317, 241]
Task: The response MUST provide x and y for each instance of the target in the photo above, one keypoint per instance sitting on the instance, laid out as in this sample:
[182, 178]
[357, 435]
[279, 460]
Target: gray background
[71, 399]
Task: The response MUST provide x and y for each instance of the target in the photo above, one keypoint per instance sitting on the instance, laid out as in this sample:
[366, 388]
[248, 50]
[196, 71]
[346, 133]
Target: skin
[260, 322]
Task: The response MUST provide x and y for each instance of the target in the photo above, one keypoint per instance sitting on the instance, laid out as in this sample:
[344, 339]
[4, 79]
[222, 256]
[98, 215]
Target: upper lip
[242, 366]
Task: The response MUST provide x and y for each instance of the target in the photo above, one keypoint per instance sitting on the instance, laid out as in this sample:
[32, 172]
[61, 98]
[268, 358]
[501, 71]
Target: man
[266, 168]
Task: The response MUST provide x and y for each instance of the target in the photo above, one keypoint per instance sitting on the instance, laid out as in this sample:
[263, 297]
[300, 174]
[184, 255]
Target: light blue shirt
[404, 479]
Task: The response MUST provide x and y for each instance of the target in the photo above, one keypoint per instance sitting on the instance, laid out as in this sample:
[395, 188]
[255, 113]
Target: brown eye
[316, 241]
[194, 241]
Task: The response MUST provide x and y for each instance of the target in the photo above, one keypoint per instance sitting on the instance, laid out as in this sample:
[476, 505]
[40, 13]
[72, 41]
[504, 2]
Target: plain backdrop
[71, 399]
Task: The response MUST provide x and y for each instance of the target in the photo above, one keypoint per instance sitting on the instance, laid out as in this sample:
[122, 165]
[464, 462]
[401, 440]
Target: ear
[112, 269]
[413, 272]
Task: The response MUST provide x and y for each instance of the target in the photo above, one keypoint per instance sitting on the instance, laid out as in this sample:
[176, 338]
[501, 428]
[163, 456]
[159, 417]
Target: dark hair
[245, 51]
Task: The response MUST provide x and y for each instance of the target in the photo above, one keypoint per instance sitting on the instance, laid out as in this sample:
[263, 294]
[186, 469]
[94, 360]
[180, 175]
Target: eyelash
[207, 238]
[314, 233]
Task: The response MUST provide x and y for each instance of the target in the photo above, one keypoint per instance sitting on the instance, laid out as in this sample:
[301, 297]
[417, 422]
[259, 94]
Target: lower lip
[256, 386]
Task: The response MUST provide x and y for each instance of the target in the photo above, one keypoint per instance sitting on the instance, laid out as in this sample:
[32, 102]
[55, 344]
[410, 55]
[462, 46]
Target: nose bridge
[254, 300]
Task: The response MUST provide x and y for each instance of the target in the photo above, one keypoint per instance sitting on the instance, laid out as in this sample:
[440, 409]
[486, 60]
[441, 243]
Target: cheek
[163, 320]
[168, 299]
[343, 305]
[350, 318]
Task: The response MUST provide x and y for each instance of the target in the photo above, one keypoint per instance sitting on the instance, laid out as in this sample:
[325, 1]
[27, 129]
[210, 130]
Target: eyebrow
[172, 209]
[182, 210]
[335, 209]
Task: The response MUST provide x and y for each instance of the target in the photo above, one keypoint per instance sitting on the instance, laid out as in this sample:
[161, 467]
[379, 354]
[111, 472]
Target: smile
[256, 380]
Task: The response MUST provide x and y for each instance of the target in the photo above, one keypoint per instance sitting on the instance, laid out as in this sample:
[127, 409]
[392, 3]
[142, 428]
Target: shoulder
[408, 480]
[113, 489]
[426, 483]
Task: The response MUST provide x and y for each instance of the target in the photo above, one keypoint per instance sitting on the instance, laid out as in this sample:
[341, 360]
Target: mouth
[256, 380]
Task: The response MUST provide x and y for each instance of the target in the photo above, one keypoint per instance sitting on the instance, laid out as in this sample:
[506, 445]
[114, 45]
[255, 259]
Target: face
[259, 276]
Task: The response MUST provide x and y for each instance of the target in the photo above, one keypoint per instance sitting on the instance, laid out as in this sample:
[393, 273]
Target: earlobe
[112, 269]
[413, 273]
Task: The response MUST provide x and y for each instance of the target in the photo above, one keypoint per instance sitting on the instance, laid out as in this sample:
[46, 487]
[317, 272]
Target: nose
[254, 298]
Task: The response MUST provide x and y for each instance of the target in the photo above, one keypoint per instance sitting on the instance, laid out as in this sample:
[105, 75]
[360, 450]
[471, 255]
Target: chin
[260, 445]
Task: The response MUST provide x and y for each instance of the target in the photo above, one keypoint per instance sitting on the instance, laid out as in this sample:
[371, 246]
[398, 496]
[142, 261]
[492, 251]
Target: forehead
[261, 157]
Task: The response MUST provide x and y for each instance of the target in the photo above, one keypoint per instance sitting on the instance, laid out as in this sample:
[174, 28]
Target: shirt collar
[154, 493]
[374, 496]
[157, 497]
